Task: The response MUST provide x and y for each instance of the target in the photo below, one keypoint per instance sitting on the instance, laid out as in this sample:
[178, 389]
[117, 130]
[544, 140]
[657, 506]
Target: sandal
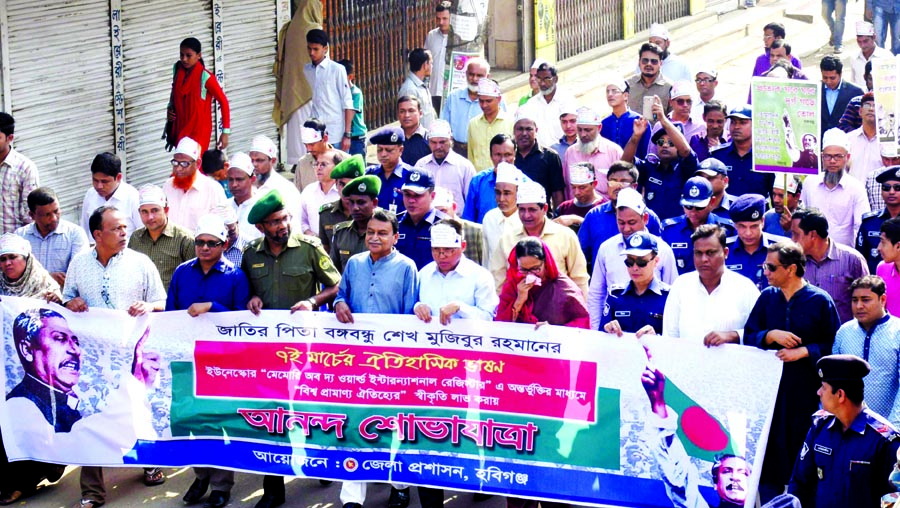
[11, 498]
[152, 477]
[88, 503]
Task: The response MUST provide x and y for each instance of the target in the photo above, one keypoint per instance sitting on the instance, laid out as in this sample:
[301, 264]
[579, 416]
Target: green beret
[369, 185]
[266, 205]
[349, 168]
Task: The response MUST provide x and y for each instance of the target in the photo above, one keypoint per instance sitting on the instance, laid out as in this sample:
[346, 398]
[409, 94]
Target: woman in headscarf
[21, 274]
[535, 291]
[190, 105]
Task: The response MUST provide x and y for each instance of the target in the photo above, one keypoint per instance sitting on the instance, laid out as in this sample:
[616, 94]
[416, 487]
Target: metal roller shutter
[249, 33]
[152, 32]
[60, 84]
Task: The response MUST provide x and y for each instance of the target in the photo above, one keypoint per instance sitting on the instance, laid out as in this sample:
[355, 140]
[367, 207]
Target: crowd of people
[649, 220]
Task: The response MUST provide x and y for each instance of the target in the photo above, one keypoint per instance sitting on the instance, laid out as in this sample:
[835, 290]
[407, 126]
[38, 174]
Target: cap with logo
[241, 161]
[507, 173]
[793, 183]
[266, 146]
[581, 173]
[211, 225]
[309, 136]
[587, 116]
[864, 28]
[488, 88]
[640, 243]
[351, 167]
[189, 147]
[618, 82]
[712, 167]
[711, 71]
[659, 131]
[842, 368]
[744, 111]
[388, 136]
[659, 30]
[531, 192]
[891, 173]
[697, 192]
[630, 198]
[417, 180]
[226, 212]
[442, 198]
[368, 185]
[748, 208]
[444, 236]
[270, 203]
[681, 89]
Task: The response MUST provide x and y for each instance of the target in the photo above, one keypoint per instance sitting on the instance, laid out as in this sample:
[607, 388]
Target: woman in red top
[535, 291]
[190, 105]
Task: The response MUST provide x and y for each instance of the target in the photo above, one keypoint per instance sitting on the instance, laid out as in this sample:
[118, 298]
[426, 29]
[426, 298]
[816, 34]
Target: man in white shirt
[712, 303]
[546, 107]
[436, 43]
[108, 188]
[454, 285]
[451, 170]
[864, 146]
[868, 49]
[674, 68]
[332, 100]
[242, 184]
[505, 218]
[264, 156]
[190, 193]
[323, 190]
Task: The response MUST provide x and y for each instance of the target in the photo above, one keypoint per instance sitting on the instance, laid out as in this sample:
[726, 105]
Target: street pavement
[732, 43]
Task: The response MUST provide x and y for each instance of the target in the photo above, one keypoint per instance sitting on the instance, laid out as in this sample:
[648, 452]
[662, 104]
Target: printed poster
[785, 125]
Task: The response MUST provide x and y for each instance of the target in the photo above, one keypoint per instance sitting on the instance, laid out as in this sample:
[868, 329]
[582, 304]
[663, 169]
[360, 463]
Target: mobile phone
[648, 108]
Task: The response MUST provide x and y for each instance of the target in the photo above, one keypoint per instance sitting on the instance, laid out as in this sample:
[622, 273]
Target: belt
[358, 138]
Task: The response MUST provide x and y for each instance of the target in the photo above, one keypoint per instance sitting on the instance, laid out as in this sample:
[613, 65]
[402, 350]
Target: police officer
[849, 451]
[747, 251]
[870, 228]
[338, 211]
[717, 174]
[415, 223]
[695, 200]
[391, 169]
[638, 307]
[350, 236]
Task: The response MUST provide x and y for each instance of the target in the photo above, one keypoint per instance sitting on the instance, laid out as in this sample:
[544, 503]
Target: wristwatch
[226, 131]
[312, 302]
[347, 135]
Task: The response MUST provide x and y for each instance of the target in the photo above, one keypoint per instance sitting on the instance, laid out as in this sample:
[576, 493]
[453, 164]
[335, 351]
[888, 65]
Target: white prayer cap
[681, 89]
[587, 116]
[266, 146]
[630, 198]
[581, 173]
[442, 198]
[618, 82]
[152, 195]
[792, 183]
[835, 137]
[226, 212]
[507, 173]
[189, 147]
[241, 161]
[531, 192]
[440, 129]
[539, 62]
[444, 236]
[488, 87]
[659, 30]
[211, 225]
[865, 28]
[11, 243]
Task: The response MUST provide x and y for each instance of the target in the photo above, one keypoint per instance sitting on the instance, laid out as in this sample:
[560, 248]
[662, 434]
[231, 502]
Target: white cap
[792, 183]
[526, 112]
[630, 198]
[865, 28]
[265, 146]
[507, 173]
[488, 87]
[538, 62]
[681, 89]
[442, 198]
[444, 236]
[581, 173]
[226, 212]
[189, 147]
[241, 161]
[531, 192]
[659, 30]
[835, 137]
[587, 116]
[707, 69]
[440, 129]
[618, 82]
[11, 243]
[211, 225]
[152, 195]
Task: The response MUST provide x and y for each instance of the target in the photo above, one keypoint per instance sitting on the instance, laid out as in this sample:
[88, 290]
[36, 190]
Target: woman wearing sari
[21, 274]
[190, 105]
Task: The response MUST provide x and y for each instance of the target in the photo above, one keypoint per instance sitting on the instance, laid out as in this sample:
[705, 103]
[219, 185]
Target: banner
[545, 30]
[884, 86]
[455, 75]
[549, 413]
[785, 125]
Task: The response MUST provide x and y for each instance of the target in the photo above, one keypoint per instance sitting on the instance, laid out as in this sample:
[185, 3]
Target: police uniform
[741, 177]
[415, 239]
[347, 239]
[869, 236]
[661, 185]
[749, 208]
[677, 233]
[838, 468]
[390, 198]
[724, 208]
[634, 311]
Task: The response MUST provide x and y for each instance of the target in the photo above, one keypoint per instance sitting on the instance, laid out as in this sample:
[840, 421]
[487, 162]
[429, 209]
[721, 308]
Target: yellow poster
[545, 29]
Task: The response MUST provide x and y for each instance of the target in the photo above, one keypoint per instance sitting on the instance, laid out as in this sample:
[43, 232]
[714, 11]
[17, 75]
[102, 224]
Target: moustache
[71, 363]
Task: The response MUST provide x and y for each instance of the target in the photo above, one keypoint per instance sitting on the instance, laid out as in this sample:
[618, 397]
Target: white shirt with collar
[331, 95]
[546, 115]
[857, 64]
[311, 199]
[453, 174]
[125, 199]
[186, 208]
[469, 284]
[692, 312]
[866, 154]
[247, 231]
[494, 227]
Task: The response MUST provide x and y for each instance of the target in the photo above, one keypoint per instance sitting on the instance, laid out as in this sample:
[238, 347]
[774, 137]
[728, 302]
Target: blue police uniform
[600, 225]
[415, 239]
[749, 265]
[390, 198]
[677, 233]
[838, 469]
[870, 235]
[724, 208]
[634, 311]
[662, 186]
[741, 177]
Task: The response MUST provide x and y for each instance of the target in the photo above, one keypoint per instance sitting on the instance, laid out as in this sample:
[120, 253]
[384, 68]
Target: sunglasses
[701, 81]
[694, 208]
[664, 143]
[886, 187]
[770, 267]
[683, 102]
[183, 164]
[208, 243]
[641, 262]
[653, 61]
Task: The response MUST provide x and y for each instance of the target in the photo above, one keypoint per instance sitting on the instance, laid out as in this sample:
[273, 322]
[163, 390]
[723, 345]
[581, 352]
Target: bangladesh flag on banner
[702, 435]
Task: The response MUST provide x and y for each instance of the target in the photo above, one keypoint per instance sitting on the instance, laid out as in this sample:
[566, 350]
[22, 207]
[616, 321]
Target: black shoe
[196, 491]
[352, 505]
[481, 496]
[269, 501]
[55, 472]
[217, 499]
[326, 483]
[399, 498]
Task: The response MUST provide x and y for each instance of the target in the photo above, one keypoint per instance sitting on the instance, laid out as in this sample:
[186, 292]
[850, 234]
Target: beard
[833, 178]
[472, 88]
[589, 147]
[548, 91]
[184, 183]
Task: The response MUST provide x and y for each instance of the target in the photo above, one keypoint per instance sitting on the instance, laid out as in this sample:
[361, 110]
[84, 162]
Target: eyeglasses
[770, 267]
[682, 102]
[184, 164]
[641, 262]
[885, 187]
[535, 270]
[208, 243]
[664, 142]
[833, 157]
[701, 81]
[694, 208]
[652, 61]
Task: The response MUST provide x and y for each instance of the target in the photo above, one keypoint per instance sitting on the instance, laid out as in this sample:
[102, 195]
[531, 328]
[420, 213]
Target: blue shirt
[480, 197]
[225, 285]
[741, 177]
[880, 346]
[746, 264]
[772, 224]
[869, 236]
[634, 311]
[56, 250]
[415, 239]
[831, 96]
[662, 186]
[415, 148]
[677, 233]
[619, 130]
[700, 146]
[600, 225]
[561, 147]
[458, 109]
[387, 286]
[390, 197]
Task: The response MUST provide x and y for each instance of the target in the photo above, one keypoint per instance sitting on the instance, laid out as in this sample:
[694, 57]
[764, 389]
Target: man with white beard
[591, 147]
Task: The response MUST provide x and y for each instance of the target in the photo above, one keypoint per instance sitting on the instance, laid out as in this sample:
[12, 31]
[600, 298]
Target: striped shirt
[57, 249]
[18, 177]
[841, 266]
[880, 346]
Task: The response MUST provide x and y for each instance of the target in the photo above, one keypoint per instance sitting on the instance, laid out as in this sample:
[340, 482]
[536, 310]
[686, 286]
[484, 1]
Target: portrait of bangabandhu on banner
[48, 423]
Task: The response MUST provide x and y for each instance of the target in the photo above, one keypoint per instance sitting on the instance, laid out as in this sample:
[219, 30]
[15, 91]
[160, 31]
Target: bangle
[226, 131]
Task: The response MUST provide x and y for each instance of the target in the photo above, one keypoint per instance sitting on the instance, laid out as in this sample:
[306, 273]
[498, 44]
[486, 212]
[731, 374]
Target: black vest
[52, 403]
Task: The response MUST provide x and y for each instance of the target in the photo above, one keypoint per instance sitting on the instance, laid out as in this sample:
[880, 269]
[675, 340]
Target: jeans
[884, 21]
[358, 146]
[836, 24]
